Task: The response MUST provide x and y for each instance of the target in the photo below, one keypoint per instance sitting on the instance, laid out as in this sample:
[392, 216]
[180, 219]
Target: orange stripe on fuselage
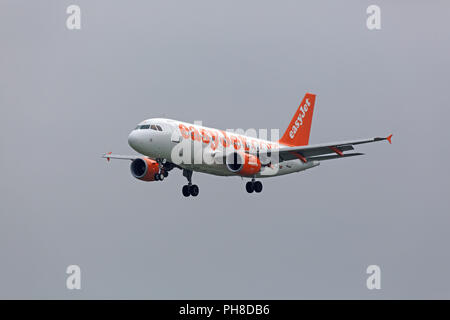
[213, 137]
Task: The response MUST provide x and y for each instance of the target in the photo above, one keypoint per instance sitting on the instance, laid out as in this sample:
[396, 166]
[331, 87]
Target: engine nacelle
[144, 169]
[243, 164]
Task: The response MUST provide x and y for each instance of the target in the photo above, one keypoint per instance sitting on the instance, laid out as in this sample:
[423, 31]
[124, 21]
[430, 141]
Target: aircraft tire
[185, 191]
[258, 186]
[193, 190]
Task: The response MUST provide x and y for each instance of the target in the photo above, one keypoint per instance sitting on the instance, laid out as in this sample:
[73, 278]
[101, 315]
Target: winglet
[389, 138]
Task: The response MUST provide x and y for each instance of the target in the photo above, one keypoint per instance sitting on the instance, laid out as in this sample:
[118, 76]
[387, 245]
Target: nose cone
[133, 140]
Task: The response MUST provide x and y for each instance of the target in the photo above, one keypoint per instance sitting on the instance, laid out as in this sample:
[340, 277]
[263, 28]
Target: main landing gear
[163, 170]
[254, 186]
[189, 189]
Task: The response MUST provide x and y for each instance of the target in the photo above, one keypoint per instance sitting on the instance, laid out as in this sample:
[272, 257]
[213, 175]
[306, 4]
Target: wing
[109, 156]
[325, 151]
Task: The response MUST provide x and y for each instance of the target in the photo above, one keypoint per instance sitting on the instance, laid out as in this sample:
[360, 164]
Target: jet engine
[144, 169]
[243, 164]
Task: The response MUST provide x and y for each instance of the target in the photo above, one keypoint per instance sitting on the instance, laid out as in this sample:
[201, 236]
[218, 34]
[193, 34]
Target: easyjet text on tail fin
[297, 133]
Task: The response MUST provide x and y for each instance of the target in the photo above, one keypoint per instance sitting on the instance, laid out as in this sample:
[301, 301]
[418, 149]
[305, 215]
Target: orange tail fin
[297, 133]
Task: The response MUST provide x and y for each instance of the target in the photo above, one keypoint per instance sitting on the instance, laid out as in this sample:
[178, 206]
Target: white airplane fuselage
[166, 144]
[162, 144]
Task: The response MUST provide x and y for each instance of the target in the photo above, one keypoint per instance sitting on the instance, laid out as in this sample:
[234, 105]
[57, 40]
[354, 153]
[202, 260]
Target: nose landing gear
[254, 186]
[189, 189]
[163, 171]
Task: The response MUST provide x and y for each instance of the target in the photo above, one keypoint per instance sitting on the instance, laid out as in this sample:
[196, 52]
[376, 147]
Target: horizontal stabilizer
[110, 155]
[335, 156]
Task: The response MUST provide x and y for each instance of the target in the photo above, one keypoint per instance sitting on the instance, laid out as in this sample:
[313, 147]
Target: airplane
[166, 144]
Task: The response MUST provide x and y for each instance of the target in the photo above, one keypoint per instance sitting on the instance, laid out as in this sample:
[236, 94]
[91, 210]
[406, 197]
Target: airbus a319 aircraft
[162, 145]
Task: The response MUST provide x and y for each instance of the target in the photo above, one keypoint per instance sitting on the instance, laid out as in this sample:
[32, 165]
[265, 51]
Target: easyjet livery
[166, 144]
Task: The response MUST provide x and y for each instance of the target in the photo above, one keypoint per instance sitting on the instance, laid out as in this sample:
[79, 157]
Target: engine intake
[144, 169]
[243, 164]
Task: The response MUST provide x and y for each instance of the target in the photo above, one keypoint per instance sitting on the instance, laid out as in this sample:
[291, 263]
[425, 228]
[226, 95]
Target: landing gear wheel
[249, 187]
[157, 176]
[185, 191]
[258, 186]
[161, 177]
[193, 190]
[189, 189]
[165, 174]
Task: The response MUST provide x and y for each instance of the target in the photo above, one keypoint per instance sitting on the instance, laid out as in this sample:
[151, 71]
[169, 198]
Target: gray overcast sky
[68, 96]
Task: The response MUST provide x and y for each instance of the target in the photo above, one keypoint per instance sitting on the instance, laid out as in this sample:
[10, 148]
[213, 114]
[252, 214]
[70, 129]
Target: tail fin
[297, 134]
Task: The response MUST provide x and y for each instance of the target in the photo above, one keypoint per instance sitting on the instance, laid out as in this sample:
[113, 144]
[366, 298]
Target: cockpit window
[147, 126]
